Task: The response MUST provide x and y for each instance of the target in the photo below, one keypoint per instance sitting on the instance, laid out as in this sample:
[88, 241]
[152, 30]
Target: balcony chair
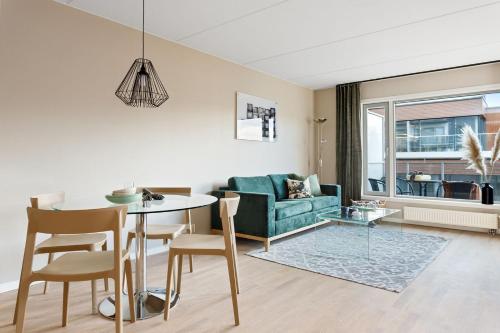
[375, 185]
[459, 190]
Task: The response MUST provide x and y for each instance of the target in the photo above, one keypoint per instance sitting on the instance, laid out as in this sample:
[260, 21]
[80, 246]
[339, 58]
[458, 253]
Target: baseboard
[12, 285]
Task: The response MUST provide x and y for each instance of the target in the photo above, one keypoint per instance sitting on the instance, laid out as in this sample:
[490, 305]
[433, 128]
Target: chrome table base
[149, 302]
[147, 305]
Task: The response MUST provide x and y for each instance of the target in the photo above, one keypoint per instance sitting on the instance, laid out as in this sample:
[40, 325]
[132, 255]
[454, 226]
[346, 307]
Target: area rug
[395, 258]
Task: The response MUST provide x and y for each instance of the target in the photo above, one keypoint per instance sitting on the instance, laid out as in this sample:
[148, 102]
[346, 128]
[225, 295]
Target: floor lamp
[321, 141]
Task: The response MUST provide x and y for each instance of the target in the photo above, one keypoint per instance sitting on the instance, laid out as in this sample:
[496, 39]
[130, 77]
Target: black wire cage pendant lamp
[142, 87]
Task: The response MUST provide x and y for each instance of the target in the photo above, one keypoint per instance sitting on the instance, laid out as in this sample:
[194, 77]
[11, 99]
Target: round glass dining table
[149, 301]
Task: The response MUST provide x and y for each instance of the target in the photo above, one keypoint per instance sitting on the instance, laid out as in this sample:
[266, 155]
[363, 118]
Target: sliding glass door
[376, 149]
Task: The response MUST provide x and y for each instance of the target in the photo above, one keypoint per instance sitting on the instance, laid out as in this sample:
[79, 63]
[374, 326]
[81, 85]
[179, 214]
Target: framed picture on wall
[255, 118]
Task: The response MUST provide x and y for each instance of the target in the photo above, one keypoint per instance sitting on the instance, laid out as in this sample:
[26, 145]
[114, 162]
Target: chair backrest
[174, 190]
[73, 222]
[374, 183]
[459, 189]
[228, 208]
[76, 221]
[401, 184]
[47, 199]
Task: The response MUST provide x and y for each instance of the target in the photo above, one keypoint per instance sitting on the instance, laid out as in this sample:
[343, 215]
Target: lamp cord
[143, 31]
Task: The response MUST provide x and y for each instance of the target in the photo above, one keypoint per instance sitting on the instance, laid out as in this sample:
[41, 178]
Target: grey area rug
[395, 258]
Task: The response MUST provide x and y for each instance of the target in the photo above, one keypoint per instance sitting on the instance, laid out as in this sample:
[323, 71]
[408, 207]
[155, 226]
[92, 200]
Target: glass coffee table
[345, 233]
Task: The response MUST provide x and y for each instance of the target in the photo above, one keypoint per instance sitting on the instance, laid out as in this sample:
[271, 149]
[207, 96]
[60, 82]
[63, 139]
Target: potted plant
[473, 153]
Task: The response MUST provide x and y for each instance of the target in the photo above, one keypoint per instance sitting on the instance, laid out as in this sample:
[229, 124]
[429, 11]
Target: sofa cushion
[319, 202]
[288, 208]
[297, 221]
[252, 184]
[323, 201]
[280, 186]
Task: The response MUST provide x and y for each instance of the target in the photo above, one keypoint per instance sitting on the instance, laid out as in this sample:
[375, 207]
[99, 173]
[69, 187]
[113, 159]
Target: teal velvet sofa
[265, 213]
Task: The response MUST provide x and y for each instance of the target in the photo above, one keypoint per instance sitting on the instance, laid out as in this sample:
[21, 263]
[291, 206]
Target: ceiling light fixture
[142, 87]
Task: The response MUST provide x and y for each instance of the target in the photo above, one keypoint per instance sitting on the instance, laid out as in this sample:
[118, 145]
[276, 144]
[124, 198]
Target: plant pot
[487, 194]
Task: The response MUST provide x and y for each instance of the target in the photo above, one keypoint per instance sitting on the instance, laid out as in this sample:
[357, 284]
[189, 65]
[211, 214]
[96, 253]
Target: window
[426, 151]
[375, 141]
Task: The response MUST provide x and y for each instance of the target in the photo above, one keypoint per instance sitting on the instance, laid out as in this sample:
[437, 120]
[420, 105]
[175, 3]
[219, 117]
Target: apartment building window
[426, 154]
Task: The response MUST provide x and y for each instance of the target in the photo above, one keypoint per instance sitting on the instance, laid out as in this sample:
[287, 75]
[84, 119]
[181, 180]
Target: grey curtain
[349, 142]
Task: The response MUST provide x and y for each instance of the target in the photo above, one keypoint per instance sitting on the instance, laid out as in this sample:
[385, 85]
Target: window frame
[388, 183]
[391, 127]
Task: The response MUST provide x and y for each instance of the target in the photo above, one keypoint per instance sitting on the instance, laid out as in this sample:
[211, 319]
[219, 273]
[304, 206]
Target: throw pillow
[295, 176]
[315, 187]
[298, 189]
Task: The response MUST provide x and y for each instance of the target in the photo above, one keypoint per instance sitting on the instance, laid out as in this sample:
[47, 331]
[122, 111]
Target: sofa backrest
[280, 185]
[258, 184]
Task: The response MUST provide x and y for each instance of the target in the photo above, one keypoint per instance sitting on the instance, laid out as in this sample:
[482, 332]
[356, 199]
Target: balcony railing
[438, 143]
[442, 170]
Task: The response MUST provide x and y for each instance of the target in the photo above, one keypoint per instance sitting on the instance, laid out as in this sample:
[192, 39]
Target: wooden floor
[458, 292]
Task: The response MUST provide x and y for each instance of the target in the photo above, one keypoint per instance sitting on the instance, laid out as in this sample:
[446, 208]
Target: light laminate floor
[458, 292]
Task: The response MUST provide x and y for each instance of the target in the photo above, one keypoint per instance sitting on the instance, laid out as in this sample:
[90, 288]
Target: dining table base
[147, 304]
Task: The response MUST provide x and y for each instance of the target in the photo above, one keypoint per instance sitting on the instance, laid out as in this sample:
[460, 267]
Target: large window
[426, 151]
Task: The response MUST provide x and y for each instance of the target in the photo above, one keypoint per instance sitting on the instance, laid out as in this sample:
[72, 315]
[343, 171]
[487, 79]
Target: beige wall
[416, 84]
[444, 80]
[62, 128]
[324, 107]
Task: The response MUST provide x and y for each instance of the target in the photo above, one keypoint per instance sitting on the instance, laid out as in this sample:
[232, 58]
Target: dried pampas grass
[472, 151]
[495, 151]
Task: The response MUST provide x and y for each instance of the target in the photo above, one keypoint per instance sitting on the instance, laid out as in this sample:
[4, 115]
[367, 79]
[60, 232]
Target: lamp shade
[142, 87]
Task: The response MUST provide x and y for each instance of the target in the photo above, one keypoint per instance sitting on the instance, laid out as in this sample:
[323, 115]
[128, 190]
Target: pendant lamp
[142, 87]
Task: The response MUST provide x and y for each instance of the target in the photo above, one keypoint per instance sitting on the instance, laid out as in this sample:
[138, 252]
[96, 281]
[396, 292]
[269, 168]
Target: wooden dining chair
[67, 243]
[167, 232]
[77, 266]
[218, 245]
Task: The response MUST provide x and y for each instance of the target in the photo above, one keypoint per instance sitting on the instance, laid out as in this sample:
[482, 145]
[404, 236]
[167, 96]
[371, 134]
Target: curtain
[349, 168]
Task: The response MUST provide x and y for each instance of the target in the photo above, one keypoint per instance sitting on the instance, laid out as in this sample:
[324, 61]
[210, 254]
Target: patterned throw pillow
[298, 189]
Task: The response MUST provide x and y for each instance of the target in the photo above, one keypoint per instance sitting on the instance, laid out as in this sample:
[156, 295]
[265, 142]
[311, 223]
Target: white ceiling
[320, 43]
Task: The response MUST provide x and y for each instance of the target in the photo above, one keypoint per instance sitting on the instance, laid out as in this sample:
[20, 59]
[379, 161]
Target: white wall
[62, 128]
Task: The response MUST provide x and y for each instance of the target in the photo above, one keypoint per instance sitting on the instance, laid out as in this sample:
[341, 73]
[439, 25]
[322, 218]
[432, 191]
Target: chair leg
[65, 304]
[106, 282]
[170, 271]
[129, 243]
[23, 292]
[118, 304]
[93, 285]
[130, 290]
[232, 282]
[235, 262]
[14, 320]
[191, 227]
[191, 263]
[179, 275]
[46, 284]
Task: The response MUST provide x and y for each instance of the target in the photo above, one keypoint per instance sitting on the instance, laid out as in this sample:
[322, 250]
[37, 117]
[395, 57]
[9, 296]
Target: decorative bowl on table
[365, 205]
[124, 191]
[124, 199]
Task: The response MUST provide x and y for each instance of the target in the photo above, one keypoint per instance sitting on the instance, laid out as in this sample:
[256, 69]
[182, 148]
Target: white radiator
[451, 217]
